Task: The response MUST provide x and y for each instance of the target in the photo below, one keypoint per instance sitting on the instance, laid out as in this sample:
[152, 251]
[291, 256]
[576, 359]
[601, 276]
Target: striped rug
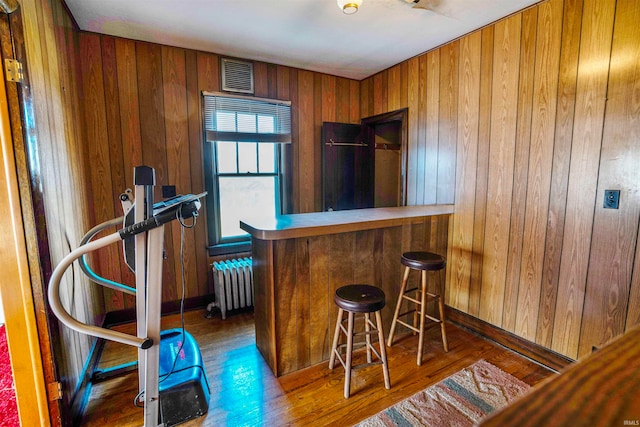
[459, 400]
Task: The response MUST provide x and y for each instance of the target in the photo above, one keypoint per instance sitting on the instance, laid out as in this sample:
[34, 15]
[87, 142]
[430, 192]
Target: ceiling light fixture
[349, 6]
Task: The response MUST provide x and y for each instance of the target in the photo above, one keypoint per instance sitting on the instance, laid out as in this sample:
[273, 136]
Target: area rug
[8, 407]
[459, 400]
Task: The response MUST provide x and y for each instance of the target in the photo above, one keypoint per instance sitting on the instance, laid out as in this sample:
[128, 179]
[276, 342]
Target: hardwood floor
[244, 392]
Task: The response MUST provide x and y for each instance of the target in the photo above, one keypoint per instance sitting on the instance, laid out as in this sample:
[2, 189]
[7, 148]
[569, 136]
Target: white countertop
[321, 223]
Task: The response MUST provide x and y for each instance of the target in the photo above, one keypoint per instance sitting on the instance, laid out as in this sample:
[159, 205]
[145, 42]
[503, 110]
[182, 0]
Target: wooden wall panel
[417, 106]
[328, 98]
[114, 127]
[284, 254]
[461, 248]
[343, 93]
[611, 259]
[392, 243]
[540, 166]
[565, 107]
[380, 92]
[305, 177]
[176, 125]
[129, 109]
[304, 303]
[394, 100]
[633, 313]
[116, 151]
[154, 145]
[412, 131]
[366, 97]
[354, 102]
[318, 118]
[521, 166]
[272, 80]
[196, 166]
[292, 152]
[365, 250]
[99, 159]
[501, 163]
[595, 49]
[260, 80]
[482, 171]
[429, 129]
[447, 123]
[264, 314]
[320, 328]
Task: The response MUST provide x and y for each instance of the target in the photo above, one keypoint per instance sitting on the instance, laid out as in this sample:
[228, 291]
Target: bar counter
[300, 260]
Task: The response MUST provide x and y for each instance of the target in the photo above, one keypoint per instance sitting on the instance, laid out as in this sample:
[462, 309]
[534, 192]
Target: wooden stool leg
[367, 329]
[336, 335]
[347, 370]
[422, 313]
[405, 279]
[416, 313]
[383, 351]
[442, 327]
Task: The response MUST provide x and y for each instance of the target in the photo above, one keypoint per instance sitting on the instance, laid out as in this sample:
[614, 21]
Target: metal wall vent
[237, 76]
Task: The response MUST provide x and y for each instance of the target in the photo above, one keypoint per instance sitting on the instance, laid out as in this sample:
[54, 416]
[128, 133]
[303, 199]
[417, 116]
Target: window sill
[229, 248]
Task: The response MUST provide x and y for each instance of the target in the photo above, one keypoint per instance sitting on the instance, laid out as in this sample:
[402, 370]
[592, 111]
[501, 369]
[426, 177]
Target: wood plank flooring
[244, 392]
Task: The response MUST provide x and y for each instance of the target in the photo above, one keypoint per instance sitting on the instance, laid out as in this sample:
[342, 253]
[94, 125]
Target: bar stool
[423, 261]
[361, 299]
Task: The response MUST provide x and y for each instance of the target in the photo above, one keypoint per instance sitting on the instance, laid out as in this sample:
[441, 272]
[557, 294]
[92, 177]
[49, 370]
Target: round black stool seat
[423, 261]
[360, 298]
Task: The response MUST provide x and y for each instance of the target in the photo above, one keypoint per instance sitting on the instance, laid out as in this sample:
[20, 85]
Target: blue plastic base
[184, 394]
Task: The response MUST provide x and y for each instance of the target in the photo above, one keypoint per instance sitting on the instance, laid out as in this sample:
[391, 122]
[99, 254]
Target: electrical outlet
[611, 199]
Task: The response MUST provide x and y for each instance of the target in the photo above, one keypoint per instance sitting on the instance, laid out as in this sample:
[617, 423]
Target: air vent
[237, 76]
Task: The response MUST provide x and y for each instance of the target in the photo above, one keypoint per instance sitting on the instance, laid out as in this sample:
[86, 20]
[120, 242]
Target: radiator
[232, 285]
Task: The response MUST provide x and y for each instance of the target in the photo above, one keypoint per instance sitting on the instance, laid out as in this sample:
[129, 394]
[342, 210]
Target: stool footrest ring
[408, 325]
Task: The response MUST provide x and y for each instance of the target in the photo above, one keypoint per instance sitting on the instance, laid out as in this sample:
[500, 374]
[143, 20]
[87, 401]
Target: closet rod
[352, 144]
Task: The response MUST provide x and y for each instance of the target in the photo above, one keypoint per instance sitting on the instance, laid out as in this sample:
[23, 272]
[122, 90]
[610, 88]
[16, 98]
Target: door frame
[401, 115]
[22, 331]
[27, 317]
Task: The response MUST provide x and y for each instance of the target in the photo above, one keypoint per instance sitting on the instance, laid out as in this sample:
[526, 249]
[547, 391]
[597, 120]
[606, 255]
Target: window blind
[232, 118]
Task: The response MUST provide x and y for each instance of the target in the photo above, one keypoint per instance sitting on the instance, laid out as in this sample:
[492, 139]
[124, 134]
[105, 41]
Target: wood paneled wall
[525, 123]
[56, 168]
[142, 105]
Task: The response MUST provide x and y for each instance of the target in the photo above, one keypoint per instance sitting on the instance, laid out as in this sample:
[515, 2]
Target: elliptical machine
[172, 381]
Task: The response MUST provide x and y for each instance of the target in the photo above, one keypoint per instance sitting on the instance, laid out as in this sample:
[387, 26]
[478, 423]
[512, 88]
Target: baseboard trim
[533, 351]
[128, 315]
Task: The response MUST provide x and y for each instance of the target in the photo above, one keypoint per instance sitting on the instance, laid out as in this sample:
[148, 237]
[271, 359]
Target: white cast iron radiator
[232, 285]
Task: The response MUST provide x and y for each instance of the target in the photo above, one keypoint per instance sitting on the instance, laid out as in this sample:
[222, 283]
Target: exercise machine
[172, 382]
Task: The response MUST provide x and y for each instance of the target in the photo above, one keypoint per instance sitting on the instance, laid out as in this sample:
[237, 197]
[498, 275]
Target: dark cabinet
[347, 167]
[363, 164]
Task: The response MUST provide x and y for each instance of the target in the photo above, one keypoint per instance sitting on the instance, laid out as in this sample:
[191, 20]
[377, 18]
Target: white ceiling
[308, 34]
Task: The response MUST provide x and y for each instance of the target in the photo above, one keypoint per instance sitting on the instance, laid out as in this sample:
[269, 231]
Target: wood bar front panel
[295, 313]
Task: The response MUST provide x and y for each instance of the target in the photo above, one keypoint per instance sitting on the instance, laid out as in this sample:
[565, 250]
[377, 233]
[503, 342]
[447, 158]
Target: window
[243, 138]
